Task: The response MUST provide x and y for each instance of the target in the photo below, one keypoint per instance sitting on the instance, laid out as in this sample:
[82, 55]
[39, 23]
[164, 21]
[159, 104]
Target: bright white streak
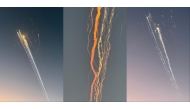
[29, 54]
[161, 40]
[149, 18]
[166, 63]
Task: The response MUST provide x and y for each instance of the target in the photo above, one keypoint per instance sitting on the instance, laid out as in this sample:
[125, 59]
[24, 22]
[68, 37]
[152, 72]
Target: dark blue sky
[16, 73]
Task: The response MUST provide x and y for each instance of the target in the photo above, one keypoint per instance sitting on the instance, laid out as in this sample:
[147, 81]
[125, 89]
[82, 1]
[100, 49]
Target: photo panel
[31, 54]
[94, 54]
[158, 54]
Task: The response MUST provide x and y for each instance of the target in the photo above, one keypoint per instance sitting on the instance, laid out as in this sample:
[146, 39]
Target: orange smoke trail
[89, 29]
[93, 49]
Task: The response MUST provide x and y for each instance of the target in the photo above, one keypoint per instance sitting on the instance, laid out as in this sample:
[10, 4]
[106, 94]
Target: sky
[18, 80]
[147, 80]
[77, 75]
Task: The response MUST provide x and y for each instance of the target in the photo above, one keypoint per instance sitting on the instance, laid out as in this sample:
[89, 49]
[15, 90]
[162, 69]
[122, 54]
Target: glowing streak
[103, 52]
[103, 45]
[164, 58]
[157, 46]
[107, 47]
[93, 50]
[29, 54]
[100, 55]
[89, 29]
[168, 61]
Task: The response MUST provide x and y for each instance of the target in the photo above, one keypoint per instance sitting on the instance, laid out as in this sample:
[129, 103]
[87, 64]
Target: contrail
[30, 56]
[156, 33]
